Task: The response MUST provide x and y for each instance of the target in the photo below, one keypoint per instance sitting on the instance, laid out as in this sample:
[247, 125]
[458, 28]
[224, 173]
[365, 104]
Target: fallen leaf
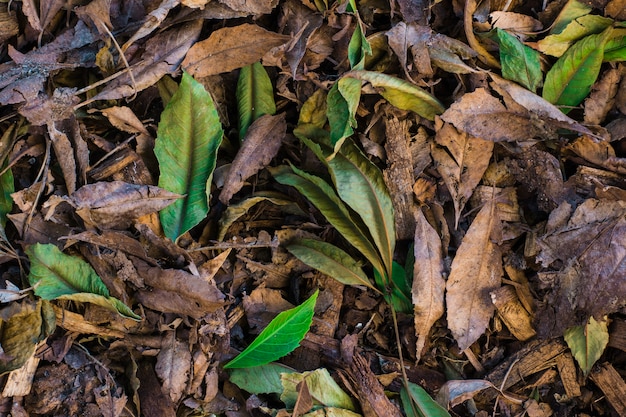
[152, 21]
[173, 366]
[461, 164]
[518, 24]
[587, 342]
[8, 24]
[230, 48]
[300, 22]
[602, 97]
[476, 271]
[254, 7]
[454, 392]
[322, 387]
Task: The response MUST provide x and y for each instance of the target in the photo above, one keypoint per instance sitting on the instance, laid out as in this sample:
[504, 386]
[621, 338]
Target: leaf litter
[428, 214]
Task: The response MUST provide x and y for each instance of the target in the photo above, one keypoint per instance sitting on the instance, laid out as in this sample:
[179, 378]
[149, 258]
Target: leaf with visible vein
[279, 338]
[587, 342]
[570, 79]
[255, 96]
[519, 62]
[342, 102]
[189, 136]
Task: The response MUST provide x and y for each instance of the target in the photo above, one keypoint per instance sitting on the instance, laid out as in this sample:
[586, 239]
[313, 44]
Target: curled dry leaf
[116, 204]
[261, 144]
[230, 48]
[476, 271]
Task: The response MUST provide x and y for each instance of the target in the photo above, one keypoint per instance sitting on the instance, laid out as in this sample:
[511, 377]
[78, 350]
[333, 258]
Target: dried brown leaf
[152, 22]
[65, 155]
[476, 271]
[602, 97]
[116, 204]
[262, 306]
[299, 21]
[8, 23]
[519, 24]
[230, 48]
[428, 281]
[260, 145]
[461, 164]
[173, 366]
[97, 12]
[254, 7]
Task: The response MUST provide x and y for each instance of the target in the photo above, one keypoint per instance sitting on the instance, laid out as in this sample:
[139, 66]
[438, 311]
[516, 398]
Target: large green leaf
[279, 338]
[402, 94]
[264, 379]
[325, 199]
[342, 102]
[587, 342]
[417, 403]
[557, 44]
[255, 96]
[330, 260]
[570, 79]
[360, 185]
[55, 275]
[189, 136]
[519, 62]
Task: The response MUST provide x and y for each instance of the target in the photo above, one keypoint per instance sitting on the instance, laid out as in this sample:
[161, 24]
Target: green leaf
[615, 48]
[255, 96]
[569, 81]
[359, 47]
[55, 275]
[189, 136]
[397, 291]
[7, 187]
[519, 62]
[402, 94]
[329, 260]
[322, 387]
[279, 338]
[417, 403]
[342, 102]
[573, 9]
[557, 44]
[360, 185]
[313, 111]
[325, 199]
[587, 342]
[264, 379]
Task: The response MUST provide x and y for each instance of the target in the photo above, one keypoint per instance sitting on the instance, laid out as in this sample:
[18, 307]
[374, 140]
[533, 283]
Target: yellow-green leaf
[587, 342]
[255, 96]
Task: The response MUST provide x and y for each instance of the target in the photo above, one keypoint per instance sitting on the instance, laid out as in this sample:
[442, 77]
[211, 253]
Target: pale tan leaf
[260, 145]
[173, 366]
[124, 119]
[461, 164]
[476, 271]
[519, 24]
[116, 204]
[602, 97]
[255, 7]
[65, 155]
[428, 282]
[230, 48]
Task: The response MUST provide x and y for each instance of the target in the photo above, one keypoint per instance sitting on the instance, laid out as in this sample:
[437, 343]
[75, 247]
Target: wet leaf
[476, 271]
[402, 94]
[417, 403]
[189, 136]
[230, 48]
[56, 275]
[264, 379]
[519, 62]
[255, 96]
[116, 204]
[569, 80]
[260, 146]
[587, 342]
[279, 338]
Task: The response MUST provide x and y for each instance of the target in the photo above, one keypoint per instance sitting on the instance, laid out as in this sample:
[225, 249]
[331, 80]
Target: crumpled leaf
[259, 147]
[322, 387]
[116, 204]
[587, 342]
[461, 164]
[428, 280]
[279, 338]
[56, 275]
[476, 271]
[188, 138]
[173, 365]
[255, 96]
[230, 48]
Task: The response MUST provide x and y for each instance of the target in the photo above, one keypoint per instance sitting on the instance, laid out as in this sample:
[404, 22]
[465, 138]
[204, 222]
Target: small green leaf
[359, 47]
[55, 275]
[569, 81]
[279, 338]
[342, 102]
[325, 199]
[313, 111]
[322, 387]
[397, 291]
[255, 96]
[264, 379]
[519, 62]
[587, 342]
[189, 136]
[417, 403]
[615, 48]
[7, 187]
[329, 260]
[573, 9]
[402, 94]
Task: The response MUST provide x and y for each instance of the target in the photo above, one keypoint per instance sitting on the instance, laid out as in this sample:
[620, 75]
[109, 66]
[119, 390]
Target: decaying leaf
[260, 145]
[476, 271]
[173, 366]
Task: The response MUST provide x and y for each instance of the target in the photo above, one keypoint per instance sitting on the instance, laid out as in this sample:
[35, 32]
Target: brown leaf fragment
[461, 160]
[518, 24]
[414, 10]
[37, 230]
[65, 155]
[97, 13]
[300, 22]
[399, 176]
[598, 152]
[154, 402]
[260, 145]
[262, 305]
[152, 21]
[177, 291]
[428, 281]
[230, 48]
[173, 366]
[612, 385]
[116, 241]
[251, 7]
[512, 313]
[616, 9]
[602, 97]
[163, 54]
[455, 392]
[476, 271]
[8, 24]
[116, 204]
[110, 405]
